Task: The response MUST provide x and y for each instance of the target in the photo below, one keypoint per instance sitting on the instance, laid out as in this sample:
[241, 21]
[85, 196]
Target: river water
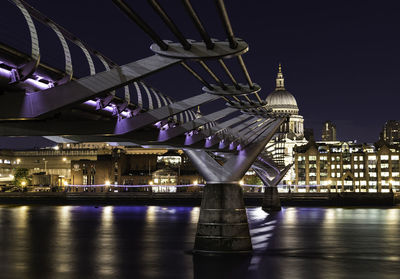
[155, 242]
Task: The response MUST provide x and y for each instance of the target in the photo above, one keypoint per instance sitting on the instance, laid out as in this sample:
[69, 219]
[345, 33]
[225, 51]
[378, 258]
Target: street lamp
[64, 159]
[241, 182]
[23, 183]
[195, 182]
[107, 183]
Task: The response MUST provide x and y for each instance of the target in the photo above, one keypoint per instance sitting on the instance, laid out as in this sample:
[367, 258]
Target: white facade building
[291, 134]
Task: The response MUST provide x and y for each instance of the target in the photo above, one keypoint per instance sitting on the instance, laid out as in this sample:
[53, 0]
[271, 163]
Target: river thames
[156, 242]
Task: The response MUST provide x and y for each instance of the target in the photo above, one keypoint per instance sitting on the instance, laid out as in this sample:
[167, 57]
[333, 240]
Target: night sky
[340, 58]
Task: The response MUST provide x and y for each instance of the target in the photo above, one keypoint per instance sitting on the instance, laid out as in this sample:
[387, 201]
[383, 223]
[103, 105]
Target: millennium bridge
[114, 104]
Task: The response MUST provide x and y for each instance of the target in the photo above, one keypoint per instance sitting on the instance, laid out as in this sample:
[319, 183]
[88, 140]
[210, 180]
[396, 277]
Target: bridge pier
[271, 201]
[223, 226]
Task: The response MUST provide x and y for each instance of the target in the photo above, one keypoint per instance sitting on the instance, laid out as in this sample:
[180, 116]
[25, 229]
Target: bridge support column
[223, 226]
[271, 201]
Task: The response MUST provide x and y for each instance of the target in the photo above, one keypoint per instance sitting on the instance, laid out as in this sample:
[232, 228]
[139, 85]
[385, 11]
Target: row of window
[356, 158]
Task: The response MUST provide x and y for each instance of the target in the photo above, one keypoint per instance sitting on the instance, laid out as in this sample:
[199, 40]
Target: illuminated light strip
[135, 186]
[38, 84]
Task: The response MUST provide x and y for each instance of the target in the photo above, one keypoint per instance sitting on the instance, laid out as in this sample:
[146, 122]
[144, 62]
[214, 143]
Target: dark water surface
[154, 242]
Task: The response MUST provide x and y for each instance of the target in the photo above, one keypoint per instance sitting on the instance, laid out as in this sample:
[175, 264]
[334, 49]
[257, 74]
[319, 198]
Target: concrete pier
[271, 201]
[223, 226]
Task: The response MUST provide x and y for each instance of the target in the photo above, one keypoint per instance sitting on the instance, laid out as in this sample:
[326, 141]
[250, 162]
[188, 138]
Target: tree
[253, 180]
[21, 178]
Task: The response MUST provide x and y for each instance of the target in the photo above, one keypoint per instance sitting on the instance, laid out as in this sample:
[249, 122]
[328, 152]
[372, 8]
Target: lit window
[372, 157]
[333, 167]
[356, 174]
[361, 158]
[313, 182]
[338, 174]
[355, 158]
[323, 158]
[1, 161]
[385, 166]
[395, 157]
[338, 167]
[385, 174]
[339, 183]
[384, 157]
[333, 174]
[355, 167]
[372, 183]
[361, 174]
[333, 158]
[395, 174]
[312, 158]
[7, 162]
[346, 167]
[372, 174]
[363, 183]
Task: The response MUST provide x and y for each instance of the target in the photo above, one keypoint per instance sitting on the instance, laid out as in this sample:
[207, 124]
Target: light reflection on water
[155, 242]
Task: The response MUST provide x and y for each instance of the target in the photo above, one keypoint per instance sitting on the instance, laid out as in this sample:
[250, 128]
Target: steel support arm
[141, 120]
[192, 125]
[235, 166]
[51, 100]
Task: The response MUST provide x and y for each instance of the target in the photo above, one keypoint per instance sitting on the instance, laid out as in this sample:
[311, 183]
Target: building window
[356, 174]
[372, 174]
[371, 157]
[361, 158]
[333, 174]
[361, 174]
[363, 183]
[355, 167]
[333, 167]
[84, 180]
[323, 158]
[395, 174]
[395, 157]
[355, 158]
[385, 174]
[385, 166]
[312, 158]
[338, 174]
[361, 167]
[384, 157]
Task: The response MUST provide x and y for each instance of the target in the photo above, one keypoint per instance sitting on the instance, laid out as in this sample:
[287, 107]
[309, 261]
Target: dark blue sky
[340, 58]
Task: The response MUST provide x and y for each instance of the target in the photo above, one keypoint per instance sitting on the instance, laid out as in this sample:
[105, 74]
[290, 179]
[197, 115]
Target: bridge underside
[38, 100]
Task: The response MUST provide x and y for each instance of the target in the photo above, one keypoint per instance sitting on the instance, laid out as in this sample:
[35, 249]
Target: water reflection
[155, 242]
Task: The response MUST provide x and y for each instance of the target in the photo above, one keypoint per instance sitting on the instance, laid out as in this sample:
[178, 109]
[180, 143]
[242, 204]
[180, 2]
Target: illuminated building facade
[347, 167]
[291, 133]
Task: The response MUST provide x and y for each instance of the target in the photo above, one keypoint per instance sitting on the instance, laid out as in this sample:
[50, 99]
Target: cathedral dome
[281, 100]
